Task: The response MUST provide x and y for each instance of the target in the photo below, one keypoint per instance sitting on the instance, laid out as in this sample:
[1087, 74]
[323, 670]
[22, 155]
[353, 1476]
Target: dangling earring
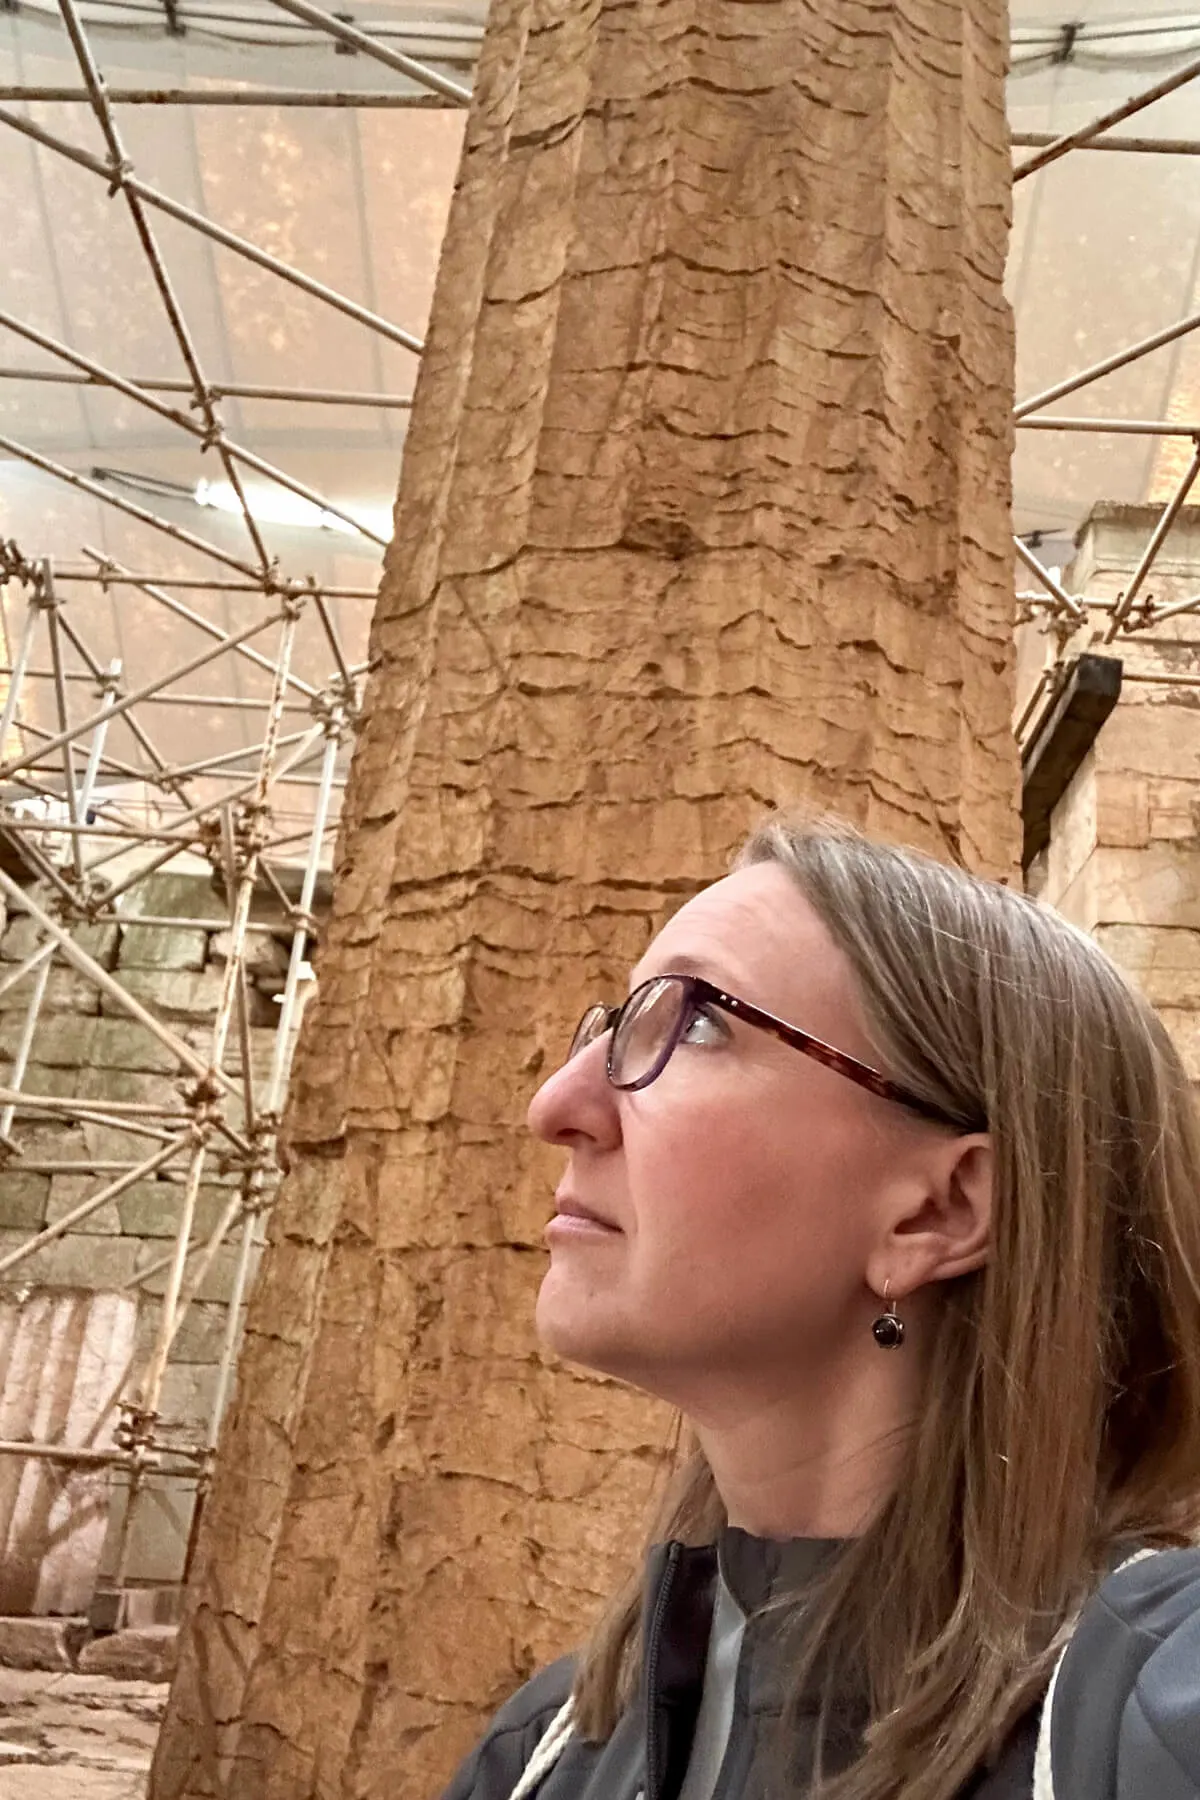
[888, 1330]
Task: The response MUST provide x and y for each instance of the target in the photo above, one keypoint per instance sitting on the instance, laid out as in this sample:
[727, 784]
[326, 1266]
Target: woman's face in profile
[741, 1194]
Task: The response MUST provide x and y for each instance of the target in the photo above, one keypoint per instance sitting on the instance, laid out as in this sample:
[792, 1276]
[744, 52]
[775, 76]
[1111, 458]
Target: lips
[566, 1207]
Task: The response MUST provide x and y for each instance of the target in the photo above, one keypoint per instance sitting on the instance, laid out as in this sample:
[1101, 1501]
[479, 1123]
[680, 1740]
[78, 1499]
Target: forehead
[755, 933]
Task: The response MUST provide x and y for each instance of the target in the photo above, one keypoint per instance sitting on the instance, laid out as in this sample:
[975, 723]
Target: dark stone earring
[888, 1330]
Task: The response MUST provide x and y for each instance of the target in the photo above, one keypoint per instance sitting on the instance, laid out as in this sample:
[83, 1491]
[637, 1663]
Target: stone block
[1122, 810]
[264, 1016]
[79, 1260]
[1163, 961]
[1184, 1027]
[108, 1144]
[145, 1654]
[39, 1080]
[218, 1280]
[66, 992]
[262, 1051]
[22, 936]
[157, 1527]
[199, 1339]
[173, 995]
[69, 1191]
[46, 1142]
[23, 1200]
[100, 942]
[184, 895]
[143, 1606]
[188, 1392]
[266, 960]
[15, 999]
[162, 947]
[100, 1084]
[1159, 885]
[127, 1044]
[193, 894]
[1072, 833]
[114, 1143]
[1151, 732]
[219, 1170]
[177, 893]
[40, 1643]
[60, 1041]
[151, 1209]
[1174, 809]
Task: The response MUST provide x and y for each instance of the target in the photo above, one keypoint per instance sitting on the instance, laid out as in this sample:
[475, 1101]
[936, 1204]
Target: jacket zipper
[653, 1774]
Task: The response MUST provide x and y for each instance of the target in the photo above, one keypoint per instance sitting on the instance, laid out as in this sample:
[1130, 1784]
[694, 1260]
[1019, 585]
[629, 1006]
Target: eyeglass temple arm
[839, 1060]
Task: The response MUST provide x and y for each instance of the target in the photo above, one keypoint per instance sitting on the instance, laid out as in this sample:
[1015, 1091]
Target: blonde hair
[1064, 1411]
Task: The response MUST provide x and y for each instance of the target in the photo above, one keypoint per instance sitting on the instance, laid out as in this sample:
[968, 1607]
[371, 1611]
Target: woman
[890, 1183]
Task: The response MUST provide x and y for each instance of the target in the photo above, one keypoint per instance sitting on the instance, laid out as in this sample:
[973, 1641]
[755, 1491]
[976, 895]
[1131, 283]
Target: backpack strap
[550, 1747]
[1043, 1773]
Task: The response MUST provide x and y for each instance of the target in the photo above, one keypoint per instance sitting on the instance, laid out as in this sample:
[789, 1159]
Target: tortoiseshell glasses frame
[648, 1027]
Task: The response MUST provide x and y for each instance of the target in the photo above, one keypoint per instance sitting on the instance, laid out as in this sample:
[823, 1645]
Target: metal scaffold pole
[97, 803]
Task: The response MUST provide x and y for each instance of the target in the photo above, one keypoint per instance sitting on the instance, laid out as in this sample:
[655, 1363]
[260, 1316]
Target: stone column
[704, 506]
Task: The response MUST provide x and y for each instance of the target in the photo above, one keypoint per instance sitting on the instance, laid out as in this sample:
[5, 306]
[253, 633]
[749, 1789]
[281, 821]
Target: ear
[942, 1225]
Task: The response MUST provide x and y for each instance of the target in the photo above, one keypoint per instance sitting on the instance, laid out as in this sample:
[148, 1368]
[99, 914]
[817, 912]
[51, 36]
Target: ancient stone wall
[1123, 859]
[79, 1317]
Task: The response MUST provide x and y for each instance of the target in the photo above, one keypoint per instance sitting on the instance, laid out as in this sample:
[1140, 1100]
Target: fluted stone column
[704, 506]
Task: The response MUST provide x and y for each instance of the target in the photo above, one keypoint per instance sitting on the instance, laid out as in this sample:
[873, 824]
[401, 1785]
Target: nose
[577, 1103]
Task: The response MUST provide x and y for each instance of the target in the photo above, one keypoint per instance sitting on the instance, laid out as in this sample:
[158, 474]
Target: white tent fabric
[1106, 249]
[1105, 252]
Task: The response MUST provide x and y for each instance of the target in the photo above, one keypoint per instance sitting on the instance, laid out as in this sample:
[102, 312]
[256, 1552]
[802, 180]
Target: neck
[815, 1463]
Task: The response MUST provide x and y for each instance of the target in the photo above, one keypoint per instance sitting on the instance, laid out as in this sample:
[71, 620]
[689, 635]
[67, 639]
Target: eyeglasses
[648, 1027]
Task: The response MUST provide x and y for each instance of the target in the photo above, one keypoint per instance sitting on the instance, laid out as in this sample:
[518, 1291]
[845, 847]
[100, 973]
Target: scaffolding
[1067, 621]
[98, 795]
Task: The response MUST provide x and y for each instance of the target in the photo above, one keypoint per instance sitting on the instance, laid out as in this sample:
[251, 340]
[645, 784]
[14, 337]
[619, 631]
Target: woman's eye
[705, 1027]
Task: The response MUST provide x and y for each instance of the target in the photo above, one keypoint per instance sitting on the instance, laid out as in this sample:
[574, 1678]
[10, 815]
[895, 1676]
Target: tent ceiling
[1106, 247]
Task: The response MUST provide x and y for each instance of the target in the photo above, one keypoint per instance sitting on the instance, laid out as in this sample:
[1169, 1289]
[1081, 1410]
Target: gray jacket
[1125, 1712]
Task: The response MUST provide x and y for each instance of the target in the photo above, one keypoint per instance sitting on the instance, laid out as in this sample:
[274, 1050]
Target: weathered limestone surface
[1123, 859]
[143, 1654]
[65, 1736]
[39, 1643]
[704, 506]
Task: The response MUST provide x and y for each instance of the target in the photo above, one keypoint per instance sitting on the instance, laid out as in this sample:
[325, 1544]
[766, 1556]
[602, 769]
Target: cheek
[757, 1189]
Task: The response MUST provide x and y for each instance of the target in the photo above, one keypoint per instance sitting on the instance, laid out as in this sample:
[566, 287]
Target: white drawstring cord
[550, 1747]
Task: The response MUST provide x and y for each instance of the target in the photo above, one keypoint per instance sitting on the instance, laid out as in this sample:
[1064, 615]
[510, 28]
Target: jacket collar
[677, 1610]
[757, 1570]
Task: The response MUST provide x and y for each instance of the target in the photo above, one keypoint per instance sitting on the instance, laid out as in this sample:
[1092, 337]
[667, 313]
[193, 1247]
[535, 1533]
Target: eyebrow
[685, 964]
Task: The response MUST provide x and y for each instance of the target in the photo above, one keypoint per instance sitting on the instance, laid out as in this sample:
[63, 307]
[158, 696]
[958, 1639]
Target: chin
[581, 1330]
[574, 1325]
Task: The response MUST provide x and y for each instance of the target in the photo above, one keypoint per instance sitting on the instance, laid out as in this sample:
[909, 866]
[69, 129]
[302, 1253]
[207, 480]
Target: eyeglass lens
[594, 1024]
[646, 1031]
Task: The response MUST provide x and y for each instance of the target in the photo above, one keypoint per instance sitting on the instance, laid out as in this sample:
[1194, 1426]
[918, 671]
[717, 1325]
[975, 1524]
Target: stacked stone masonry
[1123, 861]
[86, 1046]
